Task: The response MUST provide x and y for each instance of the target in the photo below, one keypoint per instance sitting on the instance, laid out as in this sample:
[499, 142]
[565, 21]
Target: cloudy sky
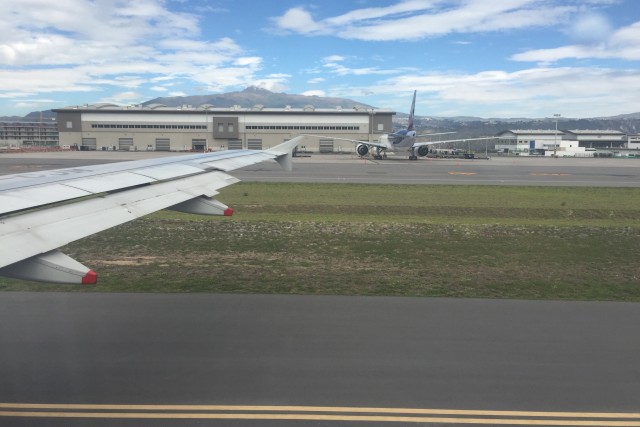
[498, 58]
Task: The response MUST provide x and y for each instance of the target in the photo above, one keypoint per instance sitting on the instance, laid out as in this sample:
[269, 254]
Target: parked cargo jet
[42, 211]
[403, 140]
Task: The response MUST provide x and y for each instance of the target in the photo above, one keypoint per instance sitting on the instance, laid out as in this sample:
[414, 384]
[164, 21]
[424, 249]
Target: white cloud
[274, 82]
[122, 98]
[414, 19]
[623, 43]
[591, 28]
[314, 93]
[534, 92]
[298, 20]
[81, 46]
[334, 65]
[32, 104]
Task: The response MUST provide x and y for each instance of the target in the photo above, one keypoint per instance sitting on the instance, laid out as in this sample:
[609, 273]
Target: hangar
[562, 142]
[187, 128]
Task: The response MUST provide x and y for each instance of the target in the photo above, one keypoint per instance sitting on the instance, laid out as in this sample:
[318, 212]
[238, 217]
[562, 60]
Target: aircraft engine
[362, 149]
[423, 150]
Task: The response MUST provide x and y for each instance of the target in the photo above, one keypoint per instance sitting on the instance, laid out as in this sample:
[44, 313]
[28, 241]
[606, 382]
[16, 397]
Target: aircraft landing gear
[379, 155]
[412, 155]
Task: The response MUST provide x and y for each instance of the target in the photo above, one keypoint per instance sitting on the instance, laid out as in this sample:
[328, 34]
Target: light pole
[555, 136]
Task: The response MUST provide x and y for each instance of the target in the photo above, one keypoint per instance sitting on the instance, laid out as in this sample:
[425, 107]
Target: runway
[120, 358]
[77, 359]
[519, 171]
[495, 171]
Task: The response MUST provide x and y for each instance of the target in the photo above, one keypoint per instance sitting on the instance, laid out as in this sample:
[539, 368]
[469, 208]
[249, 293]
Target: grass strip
[352, 239]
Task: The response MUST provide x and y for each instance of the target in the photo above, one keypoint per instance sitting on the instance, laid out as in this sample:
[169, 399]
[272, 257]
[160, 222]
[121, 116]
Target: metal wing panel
[11, 201]
[29, 191]
[110, 182]
[170, 171]
[355, 141]
[419, 144]
[239, 162]
[37, 232]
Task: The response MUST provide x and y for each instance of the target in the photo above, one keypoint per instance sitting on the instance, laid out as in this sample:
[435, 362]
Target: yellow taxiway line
[319, 413]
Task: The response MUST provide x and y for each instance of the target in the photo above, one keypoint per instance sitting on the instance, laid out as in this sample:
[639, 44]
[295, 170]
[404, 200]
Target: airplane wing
[355, 141]
[42, 211]
[420, 144]
[427, 135]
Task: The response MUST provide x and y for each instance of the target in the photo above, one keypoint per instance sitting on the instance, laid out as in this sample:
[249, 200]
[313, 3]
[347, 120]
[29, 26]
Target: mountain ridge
[463, 125]
[253, 96]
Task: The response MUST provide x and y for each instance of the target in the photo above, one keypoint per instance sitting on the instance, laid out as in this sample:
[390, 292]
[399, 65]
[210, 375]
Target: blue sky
[497, 58]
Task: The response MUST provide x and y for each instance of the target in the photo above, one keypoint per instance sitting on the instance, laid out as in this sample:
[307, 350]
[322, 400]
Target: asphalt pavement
[78, 359]
[278, 352]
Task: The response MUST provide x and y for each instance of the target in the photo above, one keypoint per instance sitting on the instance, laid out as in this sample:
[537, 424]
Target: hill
[256, 96]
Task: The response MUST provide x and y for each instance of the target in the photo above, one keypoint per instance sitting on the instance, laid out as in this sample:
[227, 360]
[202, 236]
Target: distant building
[160, 128]
[564, 143]
[528, 142]
[29, 134]
[597, 138]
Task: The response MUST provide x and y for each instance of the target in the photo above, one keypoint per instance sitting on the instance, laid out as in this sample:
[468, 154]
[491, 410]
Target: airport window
[221, 126]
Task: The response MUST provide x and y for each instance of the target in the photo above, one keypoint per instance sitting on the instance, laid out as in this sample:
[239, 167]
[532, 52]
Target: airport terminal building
[28, 134]
[160, 128]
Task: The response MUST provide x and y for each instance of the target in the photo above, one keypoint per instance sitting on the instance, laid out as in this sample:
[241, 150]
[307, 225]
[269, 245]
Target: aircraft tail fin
[413, 109]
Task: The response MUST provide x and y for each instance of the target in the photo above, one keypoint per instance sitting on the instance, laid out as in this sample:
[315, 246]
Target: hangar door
[235, 144]
[163, 144]
[125, 144]
[88, 144]
[198, 144]
[254, 144]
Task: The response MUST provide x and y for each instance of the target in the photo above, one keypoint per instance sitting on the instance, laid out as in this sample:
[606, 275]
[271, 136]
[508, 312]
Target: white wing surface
[419, 144]
[355, 141]
[42, 211]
